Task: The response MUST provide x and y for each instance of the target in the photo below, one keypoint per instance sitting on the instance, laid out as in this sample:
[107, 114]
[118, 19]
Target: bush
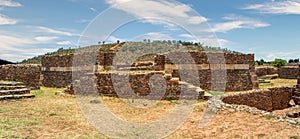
[278, 63]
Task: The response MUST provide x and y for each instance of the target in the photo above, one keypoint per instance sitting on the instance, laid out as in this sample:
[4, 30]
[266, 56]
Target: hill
[4, 62]
[114, 46]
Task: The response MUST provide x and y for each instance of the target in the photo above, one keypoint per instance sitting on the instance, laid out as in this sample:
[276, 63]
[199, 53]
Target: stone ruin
[14, 90]
[239, 73]
[271, 99]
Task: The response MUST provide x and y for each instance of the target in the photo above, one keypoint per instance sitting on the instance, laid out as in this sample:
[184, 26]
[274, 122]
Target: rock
[281, 120]
[294, 137]
[95, 101]
[60, 93]
[293, 114]
[292, 122]
[292, 103]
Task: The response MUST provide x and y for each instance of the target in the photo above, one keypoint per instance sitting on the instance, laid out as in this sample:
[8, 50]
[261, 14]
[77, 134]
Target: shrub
[278, 63]
[169, 97]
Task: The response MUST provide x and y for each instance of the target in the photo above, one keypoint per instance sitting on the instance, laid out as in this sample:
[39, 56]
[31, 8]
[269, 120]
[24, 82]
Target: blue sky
[269, 29]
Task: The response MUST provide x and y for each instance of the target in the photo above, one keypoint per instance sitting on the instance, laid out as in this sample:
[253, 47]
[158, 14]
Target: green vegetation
[169, 97]
[135, 87]
[294, 60]
[278, 63]
[37, 59]
[260, 62]
[215, 93]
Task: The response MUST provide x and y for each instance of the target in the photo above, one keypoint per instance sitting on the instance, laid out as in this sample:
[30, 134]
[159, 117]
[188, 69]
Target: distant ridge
[4, 62]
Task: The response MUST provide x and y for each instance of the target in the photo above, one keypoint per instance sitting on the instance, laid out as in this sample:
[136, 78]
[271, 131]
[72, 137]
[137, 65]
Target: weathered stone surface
[264, 99]
[265, 70]
[288, 72]
[28, 74]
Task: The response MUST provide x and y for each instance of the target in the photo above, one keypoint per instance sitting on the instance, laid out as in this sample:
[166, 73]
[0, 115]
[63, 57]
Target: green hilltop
[110, 48]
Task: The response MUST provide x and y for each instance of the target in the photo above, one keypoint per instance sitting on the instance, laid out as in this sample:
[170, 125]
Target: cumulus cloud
[151, 11]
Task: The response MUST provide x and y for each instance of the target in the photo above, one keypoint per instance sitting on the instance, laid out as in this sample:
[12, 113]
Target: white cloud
[207, 40]
[45, 38]
[9, 3]
[158, 12]
[94, 10]
[155, 36]
[271, 55]
[65, 43]
[84, 21]
[237, 22]
[54, 31]
[16, 48]
[4, 20]
[277, 7]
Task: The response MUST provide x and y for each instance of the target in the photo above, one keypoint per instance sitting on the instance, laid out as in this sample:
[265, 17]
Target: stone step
[12, 87]
[5, 97]
[14, 92]
[10, 83]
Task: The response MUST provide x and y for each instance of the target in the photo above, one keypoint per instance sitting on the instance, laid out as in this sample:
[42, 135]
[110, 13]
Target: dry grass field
[56, 116]
[279, 82]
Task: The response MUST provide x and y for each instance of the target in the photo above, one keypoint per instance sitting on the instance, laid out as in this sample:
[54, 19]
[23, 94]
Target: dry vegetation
[52, 116]
[279, 82]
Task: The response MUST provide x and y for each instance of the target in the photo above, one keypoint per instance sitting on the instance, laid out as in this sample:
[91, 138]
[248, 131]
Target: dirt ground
[55, 116]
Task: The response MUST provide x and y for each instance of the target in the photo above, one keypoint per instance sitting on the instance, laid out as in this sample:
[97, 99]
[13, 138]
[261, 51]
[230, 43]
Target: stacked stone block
[288, 72]
[264, 99]
[28, 74]
[266, 70]
[57, 71]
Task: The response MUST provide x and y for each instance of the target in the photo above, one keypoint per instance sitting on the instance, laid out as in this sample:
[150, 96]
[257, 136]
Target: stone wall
[28, 74]
[57, 71]
[157, 62]
[265, 70]
[138, 83]
[218, 71]
[263, 99]
[288, 72]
